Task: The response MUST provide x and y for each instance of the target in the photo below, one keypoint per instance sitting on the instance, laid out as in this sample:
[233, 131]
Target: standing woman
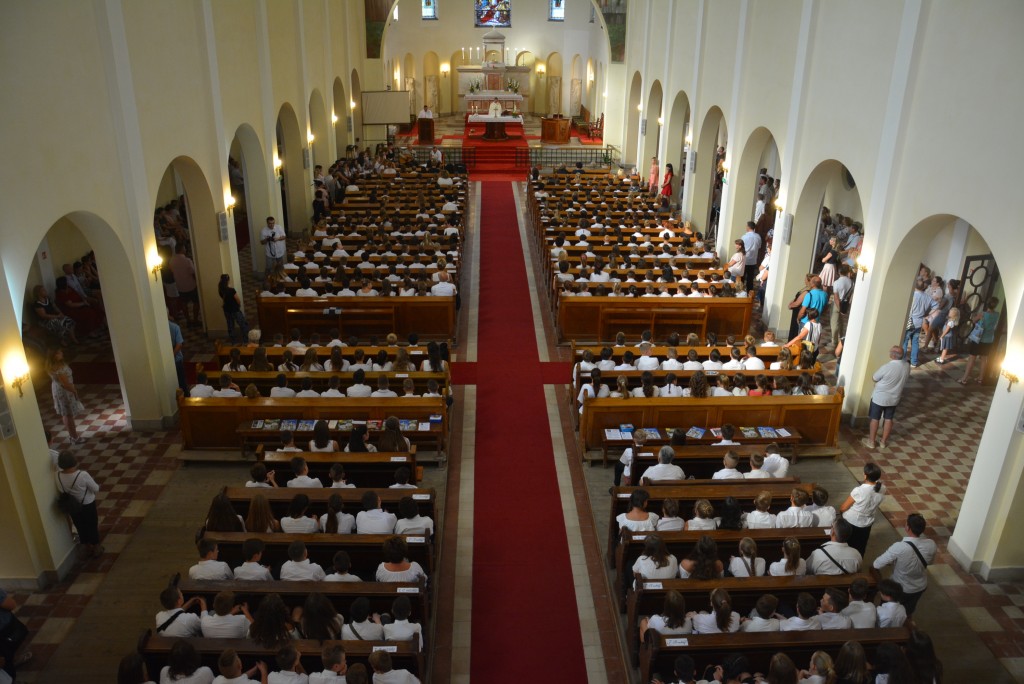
[979, 343]
[666, 182]
[65, 394]
[82, 488]
[860, 507]
[652, 179]
[830, 261]
[232, 308]
[794, 321]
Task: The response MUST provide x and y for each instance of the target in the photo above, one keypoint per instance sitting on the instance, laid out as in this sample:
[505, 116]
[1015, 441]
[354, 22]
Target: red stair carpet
[491, 160]
[525, 621]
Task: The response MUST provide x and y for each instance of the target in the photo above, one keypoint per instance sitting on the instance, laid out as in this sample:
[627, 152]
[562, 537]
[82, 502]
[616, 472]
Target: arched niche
[536, 98]
[318, 127]
[292, 175]
[634, 107]
[553, 100]
[252, 196]
[575, 85]
[433, 93]
[676, 146]
[759, 152]
[708, 185]
[651, 113]
[409, 80]
[342, 122]
[451, 85]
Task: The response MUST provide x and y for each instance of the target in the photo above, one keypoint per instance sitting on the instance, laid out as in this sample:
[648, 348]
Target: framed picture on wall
[493, 13]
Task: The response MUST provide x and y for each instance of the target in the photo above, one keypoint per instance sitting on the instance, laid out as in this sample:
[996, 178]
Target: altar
[480, 83]
[494, 126]
[481, 100]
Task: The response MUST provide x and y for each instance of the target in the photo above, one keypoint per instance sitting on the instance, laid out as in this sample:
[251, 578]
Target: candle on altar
[463, 54]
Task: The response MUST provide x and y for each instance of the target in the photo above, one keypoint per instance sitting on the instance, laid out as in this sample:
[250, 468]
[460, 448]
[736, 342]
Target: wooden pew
[769, 547]
[275, 355]
[658, 653]
[364, 549]
[341, 594]
[155, 651]
[352, 498]
[265, 381]
[647, 598]
[433, 318]
[815, 417]
[596, 319]
[214, 423]
[700, 462]
[364, 469]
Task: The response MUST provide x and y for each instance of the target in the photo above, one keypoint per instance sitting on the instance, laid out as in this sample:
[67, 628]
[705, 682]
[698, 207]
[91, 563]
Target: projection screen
[385, 107]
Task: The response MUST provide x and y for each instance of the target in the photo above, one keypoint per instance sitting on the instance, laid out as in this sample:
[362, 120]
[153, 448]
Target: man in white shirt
[185, 624]
[494, 109]
[729, 472]
[201, 389]
[208, 567]
[841, 291]
[227, 388]
[752, 244]
[829, 615]
[835, 557]
[646, 362]
[226, 620]
[298, 567]
[862, 613]
[373, 519]
[273, 237]
[358, 388]
[910, 558]
[251, 570]
[301, 477]
[665, 469]
[889, 382]
[443, 287]
[806, 617]
[425, 113]
[333, 658]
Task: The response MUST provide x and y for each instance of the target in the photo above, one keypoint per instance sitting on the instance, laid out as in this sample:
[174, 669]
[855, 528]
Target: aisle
[525, 620]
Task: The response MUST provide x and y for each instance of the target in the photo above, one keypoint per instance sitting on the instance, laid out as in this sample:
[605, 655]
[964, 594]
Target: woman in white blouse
[656, 562]
[82, 489]
[860, 507]
[671, 620]
[637, 519]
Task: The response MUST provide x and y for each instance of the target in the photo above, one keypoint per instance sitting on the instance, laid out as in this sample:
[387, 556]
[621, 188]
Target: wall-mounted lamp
[154, 262]
[725, 166]
[661, 121]
[688, 140]
[605, 94]
[16, 370]
[861, 266]
[310, 138]
[351, 104]
[541, 70]
[334, 118]
[445, 68]
[640, 107]
[780, 203]
[1011, 377]
[229, 200]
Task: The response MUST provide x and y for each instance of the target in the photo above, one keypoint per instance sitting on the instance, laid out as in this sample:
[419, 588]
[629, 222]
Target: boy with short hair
[796, 515]
[338, 480]
[302, 479]
[756, 471]
[289, 665]
[730, 461]
[226, 620]
[175, 620]
[891, 612]
[384, 673]
[728, 431]
[862, 613]
[830, 610]
[333, 658]
[401, 629]
[260, 477]
[230, 667]
[208, 567]
[252, 551]
[762, 618]
[402, 477]
[775, 464]
[298, 567]
[342, 564]
[824, 515]
[806, 617]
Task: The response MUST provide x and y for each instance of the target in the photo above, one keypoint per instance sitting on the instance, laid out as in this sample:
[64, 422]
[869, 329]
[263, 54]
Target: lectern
[426, 131]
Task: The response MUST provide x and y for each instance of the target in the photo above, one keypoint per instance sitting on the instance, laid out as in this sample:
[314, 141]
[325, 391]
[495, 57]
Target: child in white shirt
[756, 471]
[824, 515]
[774, 463]
[299, 568]
[747, 564]
[796, 515]
[729, 472]
[891, 612]
[761, 519]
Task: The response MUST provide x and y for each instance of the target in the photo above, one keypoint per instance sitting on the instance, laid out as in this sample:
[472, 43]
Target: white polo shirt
[376, 521]
[302, 571]
[210, 570]
[224, 626]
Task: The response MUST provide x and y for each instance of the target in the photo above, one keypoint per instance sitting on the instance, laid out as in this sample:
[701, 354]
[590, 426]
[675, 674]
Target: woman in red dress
[666, 181]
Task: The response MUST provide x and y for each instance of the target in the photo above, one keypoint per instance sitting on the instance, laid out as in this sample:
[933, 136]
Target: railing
[590, 156]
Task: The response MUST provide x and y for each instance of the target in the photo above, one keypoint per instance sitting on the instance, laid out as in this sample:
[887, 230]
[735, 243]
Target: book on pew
[372, 425]
[435, 418]
[695, 432]
[306, 425]
[611, 434]
[627, 430]
[716, 432]
[783, 432]
[272, 424]
[424, 426]
[768, 432]
[289, 424]
[652, 433]
[332, 425]
[257, 424]
[408, 424]
[749, 432]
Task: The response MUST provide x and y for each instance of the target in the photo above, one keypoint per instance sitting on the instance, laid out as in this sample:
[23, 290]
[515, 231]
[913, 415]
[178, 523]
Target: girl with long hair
[722, 618]
[260, 519]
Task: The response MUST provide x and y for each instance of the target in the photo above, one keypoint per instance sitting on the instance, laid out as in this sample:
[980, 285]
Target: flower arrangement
[474, 87]
[512, 85]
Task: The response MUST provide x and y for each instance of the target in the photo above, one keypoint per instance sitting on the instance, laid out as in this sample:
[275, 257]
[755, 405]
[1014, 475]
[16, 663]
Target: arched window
[556, 10]
[428, 9]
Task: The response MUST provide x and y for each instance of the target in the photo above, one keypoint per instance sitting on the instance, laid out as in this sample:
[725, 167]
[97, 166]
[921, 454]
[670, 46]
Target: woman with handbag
[979, 342]
[77, 498]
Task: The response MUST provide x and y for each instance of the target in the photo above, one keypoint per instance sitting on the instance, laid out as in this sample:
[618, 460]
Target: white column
[725, 229]
[957, 249]
[686, 206]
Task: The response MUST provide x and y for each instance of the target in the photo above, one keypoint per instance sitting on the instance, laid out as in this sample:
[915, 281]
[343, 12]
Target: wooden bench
[687, 496]
[214, 423]
[769, 546]
[658, 653]
[703, 457]
[405, 655]
[364, 549]
[375, 469]
[352, 498]
[816, 418]
[647, 598]
[341, 594]
[432, 318]
[584, 318]
[267, 380]
[701, 462]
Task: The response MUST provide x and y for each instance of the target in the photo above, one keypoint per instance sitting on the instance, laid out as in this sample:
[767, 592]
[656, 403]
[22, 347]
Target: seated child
[301, 478]
[824, 515]
[383, 671]
[729, 472]
[252, 551]
[806, 617]
[333, 659]
[230, 667]
[774, 463]
[728, 431]
[763, 617]
[704, 516]
[624, 467]
[891, 612]
[796, 515]
[260, 476]
[862, 613]
[670, 520]
[756, 464]
[208, 567]
[747, 564]
[830, 611]
[298, 567]
[227, 620]
[400, 629]
[761, 519]
[289, 668]
[342, 564]
[338, 480]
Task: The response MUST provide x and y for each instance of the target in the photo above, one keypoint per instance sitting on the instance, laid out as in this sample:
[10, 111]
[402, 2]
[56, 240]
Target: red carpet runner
[525, 622]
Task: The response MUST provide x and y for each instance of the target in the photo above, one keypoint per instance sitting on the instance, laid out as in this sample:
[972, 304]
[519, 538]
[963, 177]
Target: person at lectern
[495, 108]
[425, 113]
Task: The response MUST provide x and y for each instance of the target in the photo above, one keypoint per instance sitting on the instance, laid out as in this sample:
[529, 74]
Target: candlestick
[463, 54]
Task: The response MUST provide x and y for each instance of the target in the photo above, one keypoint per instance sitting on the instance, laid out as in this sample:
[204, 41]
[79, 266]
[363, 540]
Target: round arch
[759, 152]
[356, 109]
[651, 138]
[713, 133]
[575, 85]
[552, 103]
[536, 97]
[318, 128]
[290, 146]
[432, 93]
[340, 117]
[633, 119]
[409, 80]
[676, 145]
[451, 84]
[252, 199]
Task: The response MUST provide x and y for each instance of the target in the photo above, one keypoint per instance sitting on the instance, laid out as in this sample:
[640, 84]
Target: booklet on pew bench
[652, 433]
[306, 425]
[783, 432]
[272, 424]
[612, 434]
[626, 429]
[716, 432]
[290, 424]
[768, 432]
[695, 432]
[749, 432]
[257, 424]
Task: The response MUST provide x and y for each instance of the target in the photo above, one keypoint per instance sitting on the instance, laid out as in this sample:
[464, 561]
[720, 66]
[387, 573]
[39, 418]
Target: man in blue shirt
[920, 305]
[177, 342]
[816, 298]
